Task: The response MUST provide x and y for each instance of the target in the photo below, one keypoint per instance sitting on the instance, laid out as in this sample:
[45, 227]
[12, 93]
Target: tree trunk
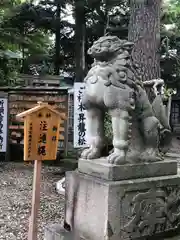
[168, 109]
[80, 39]
[58, 39]
[144, 31]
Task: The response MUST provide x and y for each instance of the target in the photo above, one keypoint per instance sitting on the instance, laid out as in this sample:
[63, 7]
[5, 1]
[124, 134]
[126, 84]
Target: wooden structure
[41, 132]
[175, 114]
[24, 98]
[44, 80]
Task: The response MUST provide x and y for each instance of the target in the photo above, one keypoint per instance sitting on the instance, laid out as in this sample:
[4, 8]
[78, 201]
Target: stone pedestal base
[101, 169]
[97, 209]
[57, 232]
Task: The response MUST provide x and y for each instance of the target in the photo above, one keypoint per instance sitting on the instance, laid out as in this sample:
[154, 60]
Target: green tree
[9, 57]
[80, 38]
[51, 20]
[20, 37]
[170, 48]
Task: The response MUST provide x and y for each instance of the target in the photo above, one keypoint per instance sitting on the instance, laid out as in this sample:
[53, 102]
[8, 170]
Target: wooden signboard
[41, 132]
[4, 123]
[22, 101]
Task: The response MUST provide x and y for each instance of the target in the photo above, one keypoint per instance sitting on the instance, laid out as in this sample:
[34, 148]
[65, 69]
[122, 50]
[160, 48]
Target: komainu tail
[160, 113]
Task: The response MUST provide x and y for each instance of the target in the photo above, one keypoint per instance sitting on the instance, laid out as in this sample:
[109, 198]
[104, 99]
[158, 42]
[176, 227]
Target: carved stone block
[97, 209]
[101, 169]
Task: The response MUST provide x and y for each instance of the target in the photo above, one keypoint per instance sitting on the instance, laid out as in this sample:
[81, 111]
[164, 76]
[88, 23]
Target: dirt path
[15, 200]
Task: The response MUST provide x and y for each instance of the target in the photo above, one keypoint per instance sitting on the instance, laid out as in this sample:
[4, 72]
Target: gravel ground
[15, 200]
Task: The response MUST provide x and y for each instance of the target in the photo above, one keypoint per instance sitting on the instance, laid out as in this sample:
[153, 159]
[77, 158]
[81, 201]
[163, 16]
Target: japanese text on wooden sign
[3, 124]
[41, 133]
[80, 131]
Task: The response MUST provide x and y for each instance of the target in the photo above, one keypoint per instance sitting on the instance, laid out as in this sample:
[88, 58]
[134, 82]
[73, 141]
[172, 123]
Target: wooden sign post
[41, 134]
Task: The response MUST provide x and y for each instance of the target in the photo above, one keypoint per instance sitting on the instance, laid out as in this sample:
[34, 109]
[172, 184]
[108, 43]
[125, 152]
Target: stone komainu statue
[112, 85]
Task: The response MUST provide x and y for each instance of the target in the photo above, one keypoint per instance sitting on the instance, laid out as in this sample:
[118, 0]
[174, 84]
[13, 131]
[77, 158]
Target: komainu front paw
[91, 153]
[117, 157]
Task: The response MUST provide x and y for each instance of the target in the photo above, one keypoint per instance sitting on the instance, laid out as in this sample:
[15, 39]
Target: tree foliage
[26, 28]
[9, 54]
[170, 48]
[112, 17]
